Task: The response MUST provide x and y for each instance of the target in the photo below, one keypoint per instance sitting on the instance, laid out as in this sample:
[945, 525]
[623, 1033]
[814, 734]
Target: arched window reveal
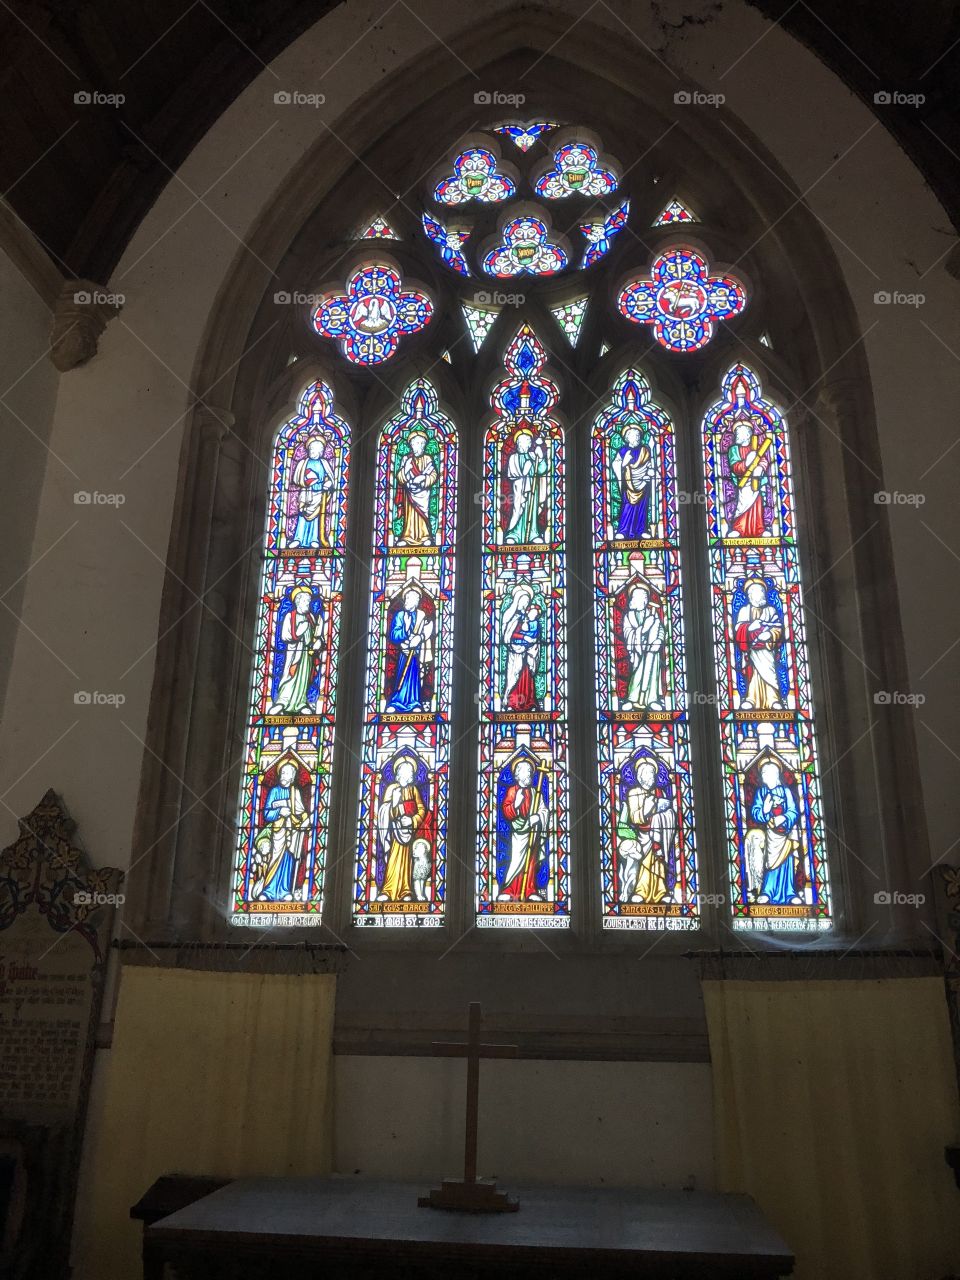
[648, 857]
[523, 875]
[402, 834]
[288, 760]
[778, 866]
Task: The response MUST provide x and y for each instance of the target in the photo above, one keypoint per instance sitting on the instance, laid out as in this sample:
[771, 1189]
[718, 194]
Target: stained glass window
[525, 134]
[599, 234]
[449, 242]
[523, 873]
[576, 170]
[675, 211]
[681, 300]
[648, 860]
[378, 229]
[475, 176]
[288, 758]
[774, 824]
[402, 837]
[369, 320]
[570, 317]
[524, 248]
[479, 322]
[492, 219]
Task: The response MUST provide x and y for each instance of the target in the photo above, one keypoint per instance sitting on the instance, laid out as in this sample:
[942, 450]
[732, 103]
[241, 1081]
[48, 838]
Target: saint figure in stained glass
[416, 476]
[633, 467]
[411, 634]
[312, 484]
[646, 831]
[748, 466]
[758, 633]
[404, 857]
[643, 639]
[525, 488]
[523, 852]
[772, 840]
[521, 637]
[278, 847]
[299, 644]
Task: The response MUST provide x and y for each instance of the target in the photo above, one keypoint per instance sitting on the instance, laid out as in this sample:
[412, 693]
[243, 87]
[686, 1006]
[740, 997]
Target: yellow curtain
[833, 1102]
[226, 1074]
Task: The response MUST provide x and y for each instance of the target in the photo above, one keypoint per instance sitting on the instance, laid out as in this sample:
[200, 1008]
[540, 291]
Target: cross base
[479, 1196]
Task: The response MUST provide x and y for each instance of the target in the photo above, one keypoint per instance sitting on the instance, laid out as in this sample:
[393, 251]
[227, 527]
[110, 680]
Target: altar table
[348, 1229]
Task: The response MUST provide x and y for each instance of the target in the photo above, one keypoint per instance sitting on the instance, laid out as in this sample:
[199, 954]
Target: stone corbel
[80, 316]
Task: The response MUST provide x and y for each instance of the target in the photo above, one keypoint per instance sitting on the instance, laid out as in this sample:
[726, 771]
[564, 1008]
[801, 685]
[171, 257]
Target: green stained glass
[570, 318]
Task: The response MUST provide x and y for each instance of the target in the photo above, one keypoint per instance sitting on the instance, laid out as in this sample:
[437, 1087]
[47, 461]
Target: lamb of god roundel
[579, 305]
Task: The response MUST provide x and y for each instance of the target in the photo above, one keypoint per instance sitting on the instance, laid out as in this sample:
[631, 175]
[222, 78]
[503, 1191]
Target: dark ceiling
[83, 176]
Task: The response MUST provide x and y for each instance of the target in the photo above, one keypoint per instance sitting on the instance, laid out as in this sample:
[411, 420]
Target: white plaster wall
[642, 1124]
[28, 390]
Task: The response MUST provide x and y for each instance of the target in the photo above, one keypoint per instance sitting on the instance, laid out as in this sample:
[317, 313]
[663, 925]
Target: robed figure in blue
[633, 469]
[278, 846]
[412, 632]
[772, 845]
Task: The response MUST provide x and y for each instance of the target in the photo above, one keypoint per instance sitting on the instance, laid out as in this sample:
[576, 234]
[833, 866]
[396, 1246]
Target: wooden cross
[471, 1194]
